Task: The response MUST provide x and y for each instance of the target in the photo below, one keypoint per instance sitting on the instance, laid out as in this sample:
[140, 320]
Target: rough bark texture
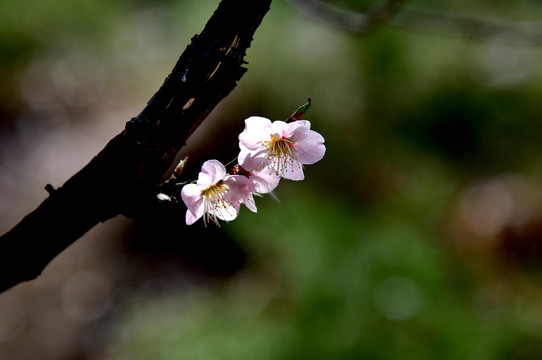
[134, 162]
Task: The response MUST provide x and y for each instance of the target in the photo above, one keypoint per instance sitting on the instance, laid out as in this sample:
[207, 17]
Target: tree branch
[134, 162]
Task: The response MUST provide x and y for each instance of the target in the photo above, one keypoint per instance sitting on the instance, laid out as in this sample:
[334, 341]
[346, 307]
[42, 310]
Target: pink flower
[279, 147]
[264, 181]
[217, 195]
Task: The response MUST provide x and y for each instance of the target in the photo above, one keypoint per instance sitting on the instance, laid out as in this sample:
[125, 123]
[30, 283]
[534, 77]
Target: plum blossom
[279, 147]
[217, 195]
[264, 181]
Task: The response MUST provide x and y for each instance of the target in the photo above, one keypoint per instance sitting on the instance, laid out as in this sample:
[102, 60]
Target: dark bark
[128, 170]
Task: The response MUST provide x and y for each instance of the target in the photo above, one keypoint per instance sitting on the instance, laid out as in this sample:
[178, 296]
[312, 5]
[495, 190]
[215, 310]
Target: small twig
[344, 19]
[508, 32]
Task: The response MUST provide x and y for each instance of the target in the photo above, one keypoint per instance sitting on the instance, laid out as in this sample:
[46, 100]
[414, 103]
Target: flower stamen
[280, 153]
[215, 202]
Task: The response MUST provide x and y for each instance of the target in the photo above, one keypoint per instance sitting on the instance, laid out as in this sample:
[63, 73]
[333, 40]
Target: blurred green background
[418, 236]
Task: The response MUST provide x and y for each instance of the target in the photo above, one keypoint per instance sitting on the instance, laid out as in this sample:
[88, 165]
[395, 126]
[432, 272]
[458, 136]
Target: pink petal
[252, 160]
[279, 129]
[193, 199]
[311, 149]
[298, 130]
[304, 123]
[251, 204]
[293, 171]
[190, 218]
[228, 214]
[204, 180]
[257, 129]
[264, 181]
[241, 189]
[214, 170]
[239, 186]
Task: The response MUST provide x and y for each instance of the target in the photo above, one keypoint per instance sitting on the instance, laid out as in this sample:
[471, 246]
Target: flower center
[280, 153]
[216, 202]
